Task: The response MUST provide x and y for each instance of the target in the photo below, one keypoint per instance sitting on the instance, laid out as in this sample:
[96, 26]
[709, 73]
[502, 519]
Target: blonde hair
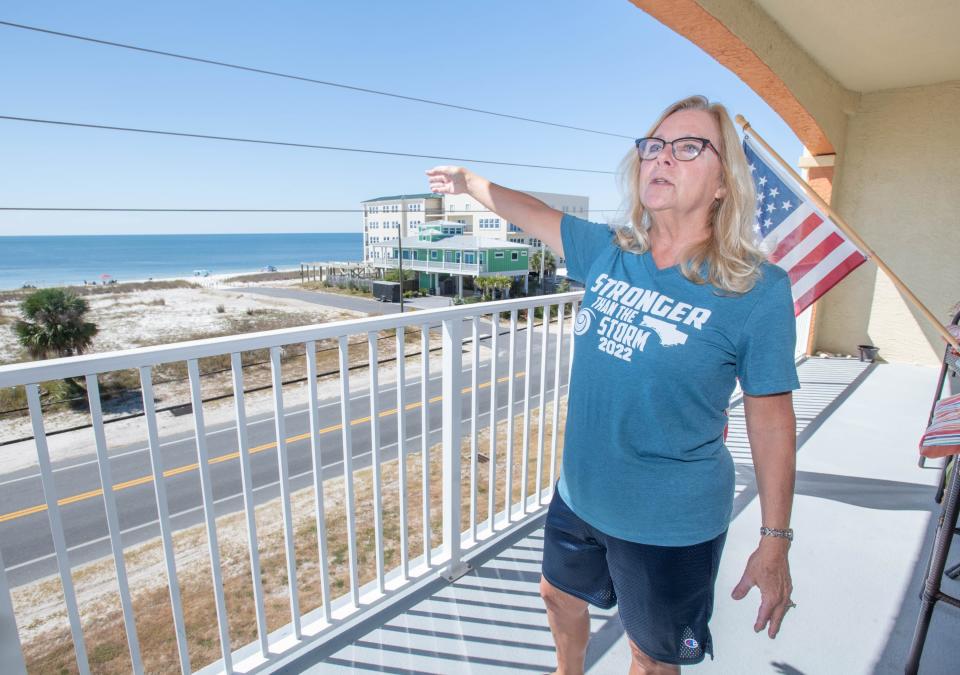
[731, 254]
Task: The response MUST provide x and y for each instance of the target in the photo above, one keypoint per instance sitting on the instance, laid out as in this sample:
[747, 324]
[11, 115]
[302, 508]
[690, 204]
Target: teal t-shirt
[656, 359]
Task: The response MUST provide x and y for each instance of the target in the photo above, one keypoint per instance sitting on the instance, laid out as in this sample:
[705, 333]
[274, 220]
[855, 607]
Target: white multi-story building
[387, 218]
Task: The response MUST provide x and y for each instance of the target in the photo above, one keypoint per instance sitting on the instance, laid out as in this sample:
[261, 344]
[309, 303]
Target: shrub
[53, 324]
[221, 309]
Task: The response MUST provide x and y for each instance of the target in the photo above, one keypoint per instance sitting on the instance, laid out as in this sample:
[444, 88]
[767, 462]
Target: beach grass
[331, 288]
[17, 294]
[264, 276]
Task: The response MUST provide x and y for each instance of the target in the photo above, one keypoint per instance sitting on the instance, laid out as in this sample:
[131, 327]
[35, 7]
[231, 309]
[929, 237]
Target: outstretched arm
[528, 213]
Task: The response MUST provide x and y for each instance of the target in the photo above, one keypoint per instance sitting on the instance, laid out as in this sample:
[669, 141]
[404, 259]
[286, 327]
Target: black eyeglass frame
[707, 143]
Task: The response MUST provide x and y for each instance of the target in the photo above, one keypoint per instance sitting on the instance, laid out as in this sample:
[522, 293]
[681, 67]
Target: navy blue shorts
[664, 593]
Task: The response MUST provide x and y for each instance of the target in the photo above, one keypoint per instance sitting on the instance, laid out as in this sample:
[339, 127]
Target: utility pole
[540, 278]
[400, 266]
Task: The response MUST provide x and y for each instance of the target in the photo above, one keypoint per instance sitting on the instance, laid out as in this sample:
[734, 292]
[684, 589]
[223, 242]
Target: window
[466, 207]
[483, 257]
[489, 223]
[515, 255]
[498, 254]
[470, 257]
[513, 228]
[536, 242]
[406, 254]
[433, 255]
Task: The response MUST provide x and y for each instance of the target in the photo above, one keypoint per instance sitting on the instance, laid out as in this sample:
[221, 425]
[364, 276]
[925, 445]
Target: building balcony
[385, 514]
[431, 266]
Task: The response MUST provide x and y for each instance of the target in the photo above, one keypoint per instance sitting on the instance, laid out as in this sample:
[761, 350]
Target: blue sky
[603, 64]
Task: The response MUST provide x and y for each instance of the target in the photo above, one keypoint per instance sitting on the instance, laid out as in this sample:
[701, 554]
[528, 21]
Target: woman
[676, 309]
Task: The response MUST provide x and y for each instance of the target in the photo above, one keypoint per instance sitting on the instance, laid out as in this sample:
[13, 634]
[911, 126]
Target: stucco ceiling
[867, 45]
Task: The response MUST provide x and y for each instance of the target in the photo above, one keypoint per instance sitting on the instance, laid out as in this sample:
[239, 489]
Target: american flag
[804, 242]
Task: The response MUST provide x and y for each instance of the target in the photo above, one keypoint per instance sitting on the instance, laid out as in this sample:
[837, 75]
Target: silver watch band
[772, 532]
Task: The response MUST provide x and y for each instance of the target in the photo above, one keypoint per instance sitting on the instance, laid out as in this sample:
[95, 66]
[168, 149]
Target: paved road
[350, 302]
[26, 542]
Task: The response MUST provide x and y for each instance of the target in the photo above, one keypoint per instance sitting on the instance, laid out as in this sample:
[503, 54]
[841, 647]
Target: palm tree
[502, 284]
[549, 263]
[482, 284]
[53, 324]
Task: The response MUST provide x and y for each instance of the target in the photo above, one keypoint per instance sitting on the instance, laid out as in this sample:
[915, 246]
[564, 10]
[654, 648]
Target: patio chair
[941, 439]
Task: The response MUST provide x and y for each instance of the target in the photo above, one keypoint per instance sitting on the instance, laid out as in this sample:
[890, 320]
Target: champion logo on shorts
[691, 643]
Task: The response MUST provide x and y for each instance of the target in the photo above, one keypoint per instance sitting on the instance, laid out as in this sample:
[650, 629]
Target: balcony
[451, 585]
[430, 266]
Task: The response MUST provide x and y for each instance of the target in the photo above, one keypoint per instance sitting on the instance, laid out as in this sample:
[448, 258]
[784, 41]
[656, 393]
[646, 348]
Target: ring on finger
[791, 604]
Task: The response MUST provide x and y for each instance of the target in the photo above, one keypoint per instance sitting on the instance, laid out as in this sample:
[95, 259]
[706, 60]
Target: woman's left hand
[769, 570]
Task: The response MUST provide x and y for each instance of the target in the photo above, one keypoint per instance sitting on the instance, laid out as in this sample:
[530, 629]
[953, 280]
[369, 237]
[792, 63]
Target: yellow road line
[186, 468]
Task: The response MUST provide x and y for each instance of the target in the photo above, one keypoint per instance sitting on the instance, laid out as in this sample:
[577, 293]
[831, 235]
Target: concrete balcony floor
[864, 517]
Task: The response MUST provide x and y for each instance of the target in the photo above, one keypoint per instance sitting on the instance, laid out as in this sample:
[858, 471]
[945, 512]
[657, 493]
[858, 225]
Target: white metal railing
[459, 326]
[432, 265]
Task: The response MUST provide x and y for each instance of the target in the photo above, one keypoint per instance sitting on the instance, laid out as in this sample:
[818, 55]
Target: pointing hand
[449, 180]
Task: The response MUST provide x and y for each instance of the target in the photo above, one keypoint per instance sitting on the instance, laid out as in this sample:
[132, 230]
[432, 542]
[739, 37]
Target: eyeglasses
[684, 149]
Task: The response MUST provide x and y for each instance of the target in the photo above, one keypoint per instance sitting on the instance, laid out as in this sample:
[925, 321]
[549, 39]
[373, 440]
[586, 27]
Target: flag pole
[843, 225]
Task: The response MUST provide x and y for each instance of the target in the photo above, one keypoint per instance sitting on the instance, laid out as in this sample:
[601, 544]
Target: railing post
[451, 434]
[11, 655]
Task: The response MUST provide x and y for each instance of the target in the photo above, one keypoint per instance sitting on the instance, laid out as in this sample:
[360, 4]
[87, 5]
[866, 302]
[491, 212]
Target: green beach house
[443, 255]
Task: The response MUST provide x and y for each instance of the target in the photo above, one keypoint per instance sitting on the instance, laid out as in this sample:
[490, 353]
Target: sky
[603, 65]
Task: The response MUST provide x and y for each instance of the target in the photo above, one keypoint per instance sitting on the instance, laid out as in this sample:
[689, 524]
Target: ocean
[71, 259]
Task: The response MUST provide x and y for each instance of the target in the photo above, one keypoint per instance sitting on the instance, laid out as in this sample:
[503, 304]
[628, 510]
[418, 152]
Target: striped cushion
[942, 437]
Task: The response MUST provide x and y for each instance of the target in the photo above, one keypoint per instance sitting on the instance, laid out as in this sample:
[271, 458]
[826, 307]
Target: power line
[152, 210]
[301, 78]
[233, 139]
[172, 210]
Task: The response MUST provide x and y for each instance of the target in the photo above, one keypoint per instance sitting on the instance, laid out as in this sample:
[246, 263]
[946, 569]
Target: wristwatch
[771, 532]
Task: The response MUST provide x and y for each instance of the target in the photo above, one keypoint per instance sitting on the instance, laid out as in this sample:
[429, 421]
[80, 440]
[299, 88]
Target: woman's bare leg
[641, 664]
[570, 625]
